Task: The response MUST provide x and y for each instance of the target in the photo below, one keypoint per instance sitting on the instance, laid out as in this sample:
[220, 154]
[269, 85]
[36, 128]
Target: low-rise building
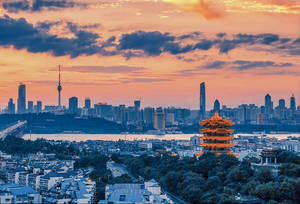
[145, 146]
[291, 145]
[148, 192]
[14, 193]
[52, 178]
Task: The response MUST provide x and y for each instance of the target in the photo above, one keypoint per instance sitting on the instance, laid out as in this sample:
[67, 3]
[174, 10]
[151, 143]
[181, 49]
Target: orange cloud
[212, 9]
[208, 9]
[264, 6]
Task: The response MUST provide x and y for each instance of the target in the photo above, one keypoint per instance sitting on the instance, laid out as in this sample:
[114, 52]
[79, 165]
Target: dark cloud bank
[20, 34]
[15, 6]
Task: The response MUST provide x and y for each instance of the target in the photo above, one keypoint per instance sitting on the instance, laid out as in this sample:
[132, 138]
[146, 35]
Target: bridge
[14, 130]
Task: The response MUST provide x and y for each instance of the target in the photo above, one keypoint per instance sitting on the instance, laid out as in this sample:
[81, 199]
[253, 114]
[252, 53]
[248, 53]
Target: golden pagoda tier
[217, 137]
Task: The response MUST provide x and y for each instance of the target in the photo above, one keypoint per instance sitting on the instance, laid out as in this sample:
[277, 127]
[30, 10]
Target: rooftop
[16, 189]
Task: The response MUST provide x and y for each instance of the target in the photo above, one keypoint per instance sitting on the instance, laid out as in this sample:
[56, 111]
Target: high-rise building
[159, 119]
[22, 99]
[30, 107]
[149, 116]
[216, 105]
[280, 110]
[247, 114]
[11, 106]
[73, 105]
[281, 103]
[170, 118]
[137, 105]
[87, 103]
[122, 114]
[39, 106]
[59, 88]
[268, 105]
[202, 101]
[293, 104]
[137, 112]
[103, 110]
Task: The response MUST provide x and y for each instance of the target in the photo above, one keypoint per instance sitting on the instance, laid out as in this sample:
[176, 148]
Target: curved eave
[217, 145]
[217, 130]
[220, 138]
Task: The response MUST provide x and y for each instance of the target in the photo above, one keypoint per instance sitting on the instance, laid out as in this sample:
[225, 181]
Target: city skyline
[148, 54]
[269, 103]
[202, 105]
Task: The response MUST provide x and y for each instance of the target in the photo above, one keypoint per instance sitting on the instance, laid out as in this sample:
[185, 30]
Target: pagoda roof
[219, 138]
[217, 145]
[216, 121]
[217, 130]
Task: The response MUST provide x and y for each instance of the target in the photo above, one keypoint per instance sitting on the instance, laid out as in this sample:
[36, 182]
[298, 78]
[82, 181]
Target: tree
[170, 181]
[121, 179]
[249, 188]
[288, 157]
[213, 183]
[227, 161]
[268, 191]
[264, 175]
[290, 169]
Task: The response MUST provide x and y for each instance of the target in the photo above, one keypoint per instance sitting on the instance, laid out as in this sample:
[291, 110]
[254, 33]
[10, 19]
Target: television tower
[59, 88]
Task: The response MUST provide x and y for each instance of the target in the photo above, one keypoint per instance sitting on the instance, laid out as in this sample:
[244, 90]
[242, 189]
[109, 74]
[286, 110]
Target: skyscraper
[59, 88]
[268, 105]
[293, 104]
[281, 103]
[87, 103]
[73, 105]
[137, 112]
[11, 106]
[30, 107]
[149, 116]
[159, 119]
[137, 105]
[39, 106]
[202, 101]
[216, 105]
[22, 99]
[281, 110]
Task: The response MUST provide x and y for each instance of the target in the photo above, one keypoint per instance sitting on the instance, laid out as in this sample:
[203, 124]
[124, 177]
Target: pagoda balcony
[217, 131]
[217, 145]
[218, 138]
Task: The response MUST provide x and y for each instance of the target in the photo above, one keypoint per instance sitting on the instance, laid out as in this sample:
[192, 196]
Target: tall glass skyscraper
[73, 105]
[202, 101]
[87, 103]
[22, 99]
[11, 106]
[39, 106]
[293, 104]
[216, 105]
[268, 104]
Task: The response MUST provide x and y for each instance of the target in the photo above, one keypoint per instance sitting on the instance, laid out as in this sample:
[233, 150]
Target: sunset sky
[157, 50]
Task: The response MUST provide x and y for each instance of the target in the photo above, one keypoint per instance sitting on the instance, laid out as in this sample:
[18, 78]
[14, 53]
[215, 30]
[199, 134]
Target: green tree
[264, 174]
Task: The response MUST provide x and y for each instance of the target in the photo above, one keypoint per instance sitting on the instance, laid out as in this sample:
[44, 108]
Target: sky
[159, 51]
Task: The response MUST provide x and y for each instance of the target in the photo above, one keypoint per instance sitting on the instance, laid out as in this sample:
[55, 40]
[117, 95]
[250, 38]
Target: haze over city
[159, 51]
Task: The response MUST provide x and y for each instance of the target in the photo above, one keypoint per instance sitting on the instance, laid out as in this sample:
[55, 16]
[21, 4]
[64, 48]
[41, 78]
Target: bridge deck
[12, 129]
